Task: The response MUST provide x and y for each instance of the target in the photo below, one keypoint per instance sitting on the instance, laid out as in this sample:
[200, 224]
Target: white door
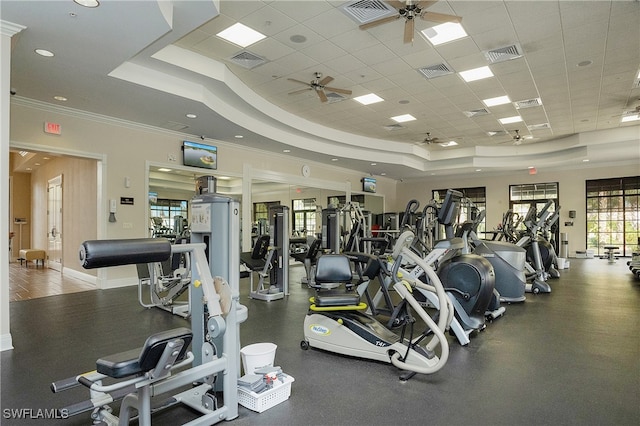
[54, 230]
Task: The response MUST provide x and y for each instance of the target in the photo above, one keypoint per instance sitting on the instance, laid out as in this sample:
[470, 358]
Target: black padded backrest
[156, 343]
[314, 248]
[333, 268]
[261, 247]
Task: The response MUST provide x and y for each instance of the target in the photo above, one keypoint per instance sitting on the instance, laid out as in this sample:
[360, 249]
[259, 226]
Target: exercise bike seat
[141, 360]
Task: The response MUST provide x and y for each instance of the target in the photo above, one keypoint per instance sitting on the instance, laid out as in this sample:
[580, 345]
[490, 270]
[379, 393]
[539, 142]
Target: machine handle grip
[85, 382]
[62, 385]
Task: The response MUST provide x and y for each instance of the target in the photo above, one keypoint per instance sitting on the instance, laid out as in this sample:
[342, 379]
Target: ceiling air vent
[392, 127]
[434, 71]
[528, 103]
[247, 59]
[364, 11]
[334, 97]
[173, 125]
[497, 132]
[502, 54]
[476, 112]
[539, 126]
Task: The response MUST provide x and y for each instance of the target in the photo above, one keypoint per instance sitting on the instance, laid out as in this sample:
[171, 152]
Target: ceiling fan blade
[298, 81]
[409, 27]
[322, 96]
[378, 22]
[336, 90]
[440, 17]
[397, 4]
[326, 80]
[300, 91]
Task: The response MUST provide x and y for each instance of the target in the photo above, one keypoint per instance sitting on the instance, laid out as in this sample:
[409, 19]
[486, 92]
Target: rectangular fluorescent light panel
[371, 98]
[450, 143]
[509, 120]
[444, 33]
[403, 118]
[632, 117]
[500, 100]
[241, 35]
[476, 74]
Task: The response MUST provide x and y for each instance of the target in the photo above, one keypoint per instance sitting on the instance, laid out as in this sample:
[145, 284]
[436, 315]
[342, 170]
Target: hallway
[31, 282]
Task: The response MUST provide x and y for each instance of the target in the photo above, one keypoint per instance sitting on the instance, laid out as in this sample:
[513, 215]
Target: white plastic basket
[260, 402]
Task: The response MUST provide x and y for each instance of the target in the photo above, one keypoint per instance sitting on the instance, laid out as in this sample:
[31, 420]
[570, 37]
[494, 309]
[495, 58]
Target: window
[478, 200]
[167, 210]
[522, 197]
[304, 216]
[261, 217]
[613, 214]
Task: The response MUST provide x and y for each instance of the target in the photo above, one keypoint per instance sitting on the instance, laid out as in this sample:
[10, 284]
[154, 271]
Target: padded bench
[32, 254]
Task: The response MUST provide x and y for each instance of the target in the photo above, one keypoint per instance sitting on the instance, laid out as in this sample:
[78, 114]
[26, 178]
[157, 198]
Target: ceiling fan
[429, 140]
[410, 10]
[319, 84]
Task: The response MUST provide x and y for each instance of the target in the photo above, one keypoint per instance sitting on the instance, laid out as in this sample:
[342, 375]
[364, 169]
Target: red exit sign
[53, 128]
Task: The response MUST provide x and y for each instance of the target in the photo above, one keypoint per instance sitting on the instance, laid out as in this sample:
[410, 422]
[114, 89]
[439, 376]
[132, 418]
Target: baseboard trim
[80, 275]
[6, 342]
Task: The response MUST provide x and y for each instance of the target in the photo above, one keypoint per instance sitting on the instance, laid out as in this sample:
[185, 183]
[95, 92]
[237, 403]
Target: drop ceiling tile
[300, 14]
[324, 51]
[374, 54]
[330, 23]
[458, 49]
[344, 64]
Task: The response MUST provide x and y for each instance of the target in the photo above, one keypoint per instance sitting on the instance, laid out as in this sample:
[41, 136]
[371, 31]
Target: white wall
[571, 185]
[125, 149]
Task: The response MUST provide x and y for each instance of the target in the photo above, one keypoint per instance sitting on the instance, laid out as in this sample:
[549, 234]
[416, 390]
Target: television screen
[199, 155]
[369, 184]
[153, 198]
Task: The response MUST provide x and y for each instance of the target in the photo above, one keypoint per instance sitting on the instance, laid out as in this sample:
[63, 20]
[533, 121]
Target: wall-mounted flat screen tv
[368, 184]
[196, 154]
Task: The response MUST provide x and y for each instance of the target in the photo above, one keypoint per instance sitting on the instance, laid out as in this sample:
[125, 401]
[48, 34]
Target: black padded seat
[333, 270]
[256, 258]
[138, 361]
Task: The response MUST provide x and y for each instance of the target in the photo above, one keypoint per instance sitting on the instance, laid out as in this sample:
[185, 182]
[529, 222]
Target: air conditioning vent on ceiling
[476, 112]
[528, 103]
[365, 11]
[434, 71]
[334, 97]
[502, 54]
[247, 59]
[497, 132]
[173, 125]
[392, 127]
[539, 126]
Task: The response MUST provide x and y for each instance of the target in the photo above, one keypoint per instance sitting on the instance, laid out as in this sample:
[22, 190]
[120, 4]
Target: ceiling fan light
[444, 33]
[369, 99]
[241, 35]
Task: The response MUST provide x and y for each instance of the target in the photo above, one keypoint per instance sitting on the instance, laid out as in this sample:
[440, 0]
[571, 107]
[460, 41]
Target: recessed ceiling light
[241, 35]
[88, 3]
[586, 160]
[478, 170]
[444, 33]
[450, 143]
[298, 38]
[530, 167]
[500, 100]
[44, 52]
[238, 136]
[60, 98]
[334, 159]
[164, 169]
[374, 164]
[383, 174]
[476, 74]
[45, 158]
[36, 164]
[509, 120]
[403, 118]
[584, 63]
[190, 115]
[371, 98]
[286, 150]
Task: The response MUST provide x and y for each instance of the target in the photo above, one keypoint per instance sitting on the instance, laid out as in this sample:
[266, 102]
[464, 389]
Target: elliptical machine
[337, 321]
[468, 279]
